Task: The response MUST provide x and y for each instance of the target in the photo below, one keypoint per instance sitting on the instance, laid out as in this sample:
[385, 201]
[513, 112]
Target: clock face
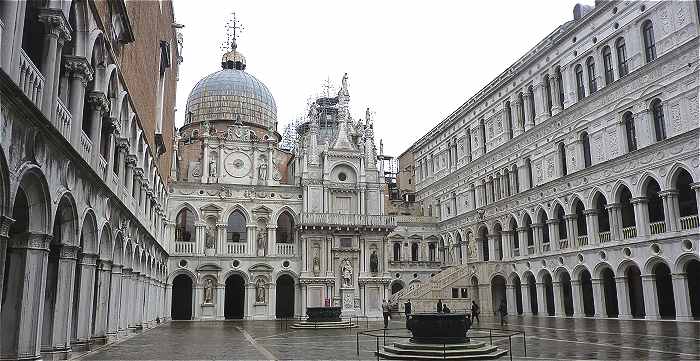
[237, 164]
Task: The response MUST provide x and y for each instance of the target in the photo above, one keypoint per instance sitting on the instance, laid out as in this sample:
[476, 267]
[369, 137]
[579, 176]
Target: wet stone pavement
[547, 339]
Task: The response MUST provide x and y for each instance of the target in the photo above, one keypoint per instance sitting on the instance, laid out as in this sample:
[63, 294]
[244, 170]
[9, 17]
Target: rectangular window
[592, 84]
[455, 293]
[343, 205]
[607, 64]
[621, 58]
[580, 90]
[346, 242]
[464, 293]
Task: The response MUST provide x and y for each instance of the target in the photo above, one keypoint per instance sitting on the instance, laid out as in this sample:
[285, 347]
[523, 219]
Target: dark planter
[323, 314]
[438, 327]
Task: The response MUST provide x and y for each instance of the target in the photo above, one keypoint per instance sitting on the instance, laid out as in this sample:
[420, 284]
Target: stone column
[623, 299]
[577, 298]
[87, 263]
[81, 74]
[252, 249]
[696, 187]
[615, 219]
[641, 215]
[571, 229]
[559, 309]
[125, 296]
[540, 102]
[569, 86]
[525, 293]
[221, 238]
[249, 301]
[167, 301]
[598, 298]
[523, 178]
[518, 120]
[24, 295]
[104, 275]
[134, 320]
[522, 239]
[99, 105]
[55, 26]
[200, 234]
[541, 299]
[651, 303]
[271, 240]
[681, 296]
[513, 183]
[507, 244]
[592, 225]
[553, 227]
[511, 302]
[529, 112]
[555, 85]
[537, 237]
[114, 303]
[492, 247]
[671, 210]
[489, 191]
[63, 310]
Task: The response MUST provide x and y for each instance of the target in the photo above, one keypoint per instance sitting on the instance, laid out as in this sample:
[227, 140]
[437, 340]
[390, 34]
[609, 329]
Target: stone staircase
[308, 325]
[462, 351]
[424, 294]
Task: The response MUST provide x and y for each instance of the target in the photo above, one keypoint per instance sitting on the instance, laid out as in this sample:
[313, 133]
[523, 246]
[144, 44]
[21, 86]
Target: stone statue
[262, 171]
[344, 85]
[260, 290]
[209, 236]
[206, 127]
[367, 116]
[208, 291]
[212, 168]
[261, 242]
[374, 262]
[316, 266]
[346, 273]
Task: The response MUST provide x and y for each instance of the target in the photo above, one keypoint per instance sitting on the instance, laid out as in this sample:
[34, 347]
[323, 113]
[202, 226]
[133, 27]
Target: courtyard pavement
[547, 339]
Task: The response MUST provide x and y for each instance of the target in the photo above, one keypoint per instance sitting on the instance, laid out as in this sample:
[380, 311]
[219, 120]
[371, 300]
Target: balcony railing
[690, 222]
[516, 252]
[236, 247]
[530, 249]
[31, 81]
[184, 247]
[582, 240]
[415, 219]
[414, 264]
[285, 249]
[563, 243]
[604, 236]
[102, 163]
[657, 227]
[334, 219]
[629, 232]
[546, 247]
[63, 119]
[85, 145]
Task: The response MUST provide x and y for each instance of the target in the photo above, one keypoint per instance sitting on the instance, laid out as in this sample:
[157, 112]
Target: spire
[232, 59]
[342, 141]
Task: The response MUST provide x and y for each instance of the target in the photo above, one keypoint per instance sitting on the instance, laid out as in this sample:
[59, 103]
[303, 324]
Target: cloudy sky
[411, 62]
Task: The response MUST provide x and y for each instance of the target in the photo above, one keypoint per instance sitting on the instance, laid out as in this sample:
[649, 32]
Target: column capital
[79, 67]
[29, 240]
[591, 212]
[5, 223]
[130, 160]
[104, 265]
[116, 269]
[98, 101]
[613, 206]
[552, 221]
[522, 229]
[56, 23]
[668, 193]
[537, 225]
[695, 186]
[68, 251]
[571, 216]
[641, 200]
[122, 143]
[88, 259]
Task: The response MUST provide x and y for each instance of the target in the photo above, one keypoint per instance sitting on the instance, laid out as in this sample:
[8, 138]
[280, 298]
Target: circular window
[272, 195]
[201, 192]
[687, 245]
[643, 8]
[432, 274]
[615, 26]
[615, 10]
[397, 275]
[575, 53]
[285, 264]
[655, 248]
[183, 263]
[602, 255]
[595, 40]
[573, 40]
[580, 258]
[236, 263]
[561, 260]
[415, 275]
[342, 177]
[627, 251]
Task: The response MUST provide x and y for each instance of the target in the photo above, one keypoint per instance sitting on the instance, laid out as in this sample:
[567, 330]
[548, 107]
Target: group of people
[442, 308]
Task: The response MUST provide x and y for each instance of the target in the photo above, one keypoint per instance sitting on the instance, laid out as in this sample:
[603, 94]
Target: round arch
[106, 246]
[35, 190]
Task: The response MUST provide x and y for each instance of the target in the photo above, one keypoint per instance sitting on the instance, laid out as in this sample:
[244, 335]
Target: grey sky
[411, 62]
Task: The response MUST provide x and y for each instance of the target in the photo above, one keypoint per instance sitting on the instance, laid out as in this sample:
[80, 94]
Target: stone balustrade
[184, 247]
[31, 81]
[285, 249]
[237, 248]
[689, 222]
[351, 220]
[63, 119]
[604, 236]
[629, 232]
[563, 243]
[85, 145]
[582, 240]
[657, 227]
[102, 166]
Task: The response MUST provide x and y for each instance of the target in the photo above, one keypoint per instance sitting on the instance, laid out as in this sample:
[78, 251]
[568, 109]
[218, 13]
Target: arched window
[649, 44]
[621, 57]
[528, 169]
[657, 111]
[184, 226]
[560, 81]
[468, 143]
[431, 251]
[607, 65]
[397, 251]
[236, 227]
[531, 101]
[482, 129]
[521, 115]
[630, 132]
[516, 185]
[509, 119]
[562, 158]
[548, 95]
[285, 228]
[414, 251]
[580, 90]
[592, 84]
[586, 143]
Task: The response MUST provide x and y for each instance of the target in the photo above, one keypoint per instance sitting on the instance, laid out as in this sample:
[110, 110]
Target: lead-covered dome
[232, 94]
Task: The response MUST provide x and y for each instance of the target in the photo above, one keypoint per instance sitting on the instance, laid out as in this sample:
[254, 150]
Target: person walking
[407, 311]
[385, 313]
[475, 312]
[439, 305]
[445, 309]
[503, 311]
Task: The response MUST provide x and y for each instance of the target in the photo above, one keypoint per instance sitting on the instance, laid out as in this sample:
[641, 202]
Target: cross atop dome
[232, 59]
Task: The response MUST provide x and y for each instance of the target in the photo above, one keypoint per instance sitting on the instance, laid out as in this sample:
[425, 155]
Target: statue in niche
[206, 127]
[374, 262]
[208, 291]
[260, 290]
[212, 168]
[346, 273]
[261, 242]
[262, 171]
[209, 236]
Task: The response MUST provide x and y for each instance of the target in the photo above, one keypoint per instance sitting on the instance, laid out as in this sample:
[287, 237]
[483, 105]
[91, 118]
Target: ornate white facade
[568, 186]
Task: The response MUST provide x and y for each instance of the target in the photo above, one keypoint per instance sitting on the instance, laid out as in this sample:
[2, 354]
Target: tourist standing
[385, 313]
[407, 311]
[475, 312]
[445, 309]
[439, 305]
[503, 311]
